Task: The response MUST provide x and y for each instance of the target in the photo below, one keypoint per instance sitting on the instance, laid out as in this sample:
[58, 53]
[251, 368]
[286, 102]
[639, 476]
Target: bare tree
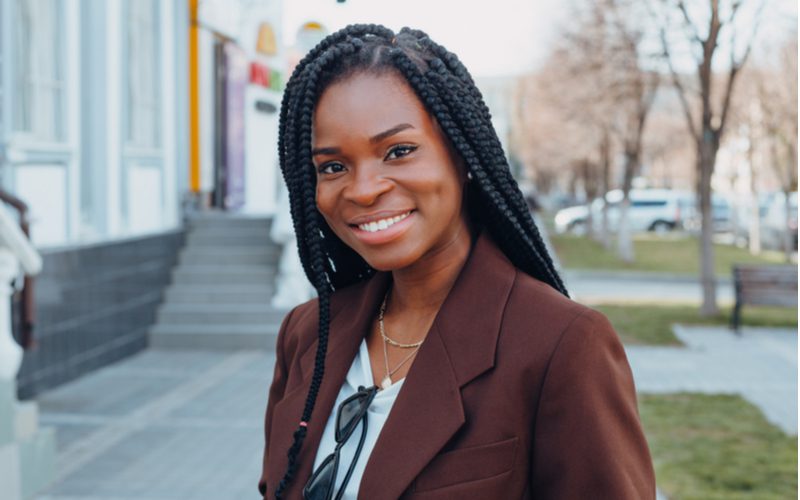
[634, 89]
[556, 132]
[704, 32]
[778, 99]
[617, 94]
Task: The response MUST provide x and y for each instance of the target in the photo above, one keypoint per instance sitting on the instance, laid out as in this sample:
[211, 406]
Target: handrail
[27, 310]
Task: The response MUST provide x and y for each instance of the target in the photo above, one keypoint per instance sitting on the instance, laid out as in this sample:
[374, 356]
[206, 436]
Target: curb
[607, 274]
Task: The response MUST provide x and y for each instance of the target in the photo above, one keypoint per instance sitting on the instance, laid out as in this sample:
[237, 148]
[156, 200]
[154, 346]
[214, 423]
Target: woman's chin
[390, 261]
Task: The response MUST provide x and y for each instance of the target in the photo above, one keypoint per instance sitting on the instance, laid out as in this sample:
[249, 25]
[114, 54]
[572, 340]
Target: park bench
[762, 285]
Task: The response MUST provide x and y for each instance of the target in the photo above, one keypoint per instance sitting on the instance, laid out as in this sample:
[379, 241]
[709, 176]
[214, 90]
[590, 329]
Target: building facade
[93, 137]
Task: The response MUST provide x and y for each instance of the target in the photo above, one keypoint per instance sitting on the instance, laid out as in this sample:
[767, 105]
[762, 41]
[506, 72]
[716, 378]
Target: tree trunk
[707, 158]
[788, 243]
[754, 238]
[624, 239]
[754, 234]
[606, 187]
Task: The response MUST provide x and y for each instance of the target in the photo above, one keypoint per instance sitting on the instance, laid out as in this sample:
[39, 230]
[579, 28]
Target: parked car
[721, 219]
[772, 216]
[774, 224]
[656, 210]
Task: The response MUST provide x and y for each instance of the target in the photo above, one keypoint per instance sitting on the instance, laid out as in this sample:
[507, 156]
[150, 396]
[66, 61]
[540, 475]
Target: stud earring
[469, 176]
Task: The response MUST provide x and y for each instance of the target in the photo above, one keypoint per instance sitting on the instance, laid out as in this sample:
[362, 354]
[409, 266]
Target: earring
[469, 176]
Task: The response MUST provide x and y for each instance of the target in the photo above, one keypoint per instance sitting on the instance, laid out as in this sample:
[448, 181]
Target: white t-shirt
[360, 374]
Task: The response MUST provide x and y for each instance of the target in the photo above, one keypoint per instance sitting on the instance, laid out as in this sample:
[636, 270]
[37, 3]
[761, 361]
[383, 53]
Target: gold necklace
[386, 338]
[387, 380]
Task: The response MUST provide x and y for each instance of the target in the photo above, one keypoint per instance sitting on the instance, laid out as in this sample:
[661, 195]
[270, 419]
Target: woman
[442, 358]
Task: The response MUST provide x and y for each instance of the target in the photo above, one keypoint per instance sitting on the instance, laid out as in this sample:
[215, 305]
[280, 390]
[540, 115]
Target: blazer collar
[428, 410]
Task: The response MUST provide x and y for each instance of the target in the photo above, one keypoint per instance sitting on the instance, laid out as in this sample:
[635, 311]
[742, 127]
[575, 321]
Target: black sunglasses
[352, 410]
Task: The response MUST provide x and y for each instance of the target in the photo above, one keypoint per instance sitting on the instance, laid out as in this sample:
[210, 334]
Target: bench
[772, 285]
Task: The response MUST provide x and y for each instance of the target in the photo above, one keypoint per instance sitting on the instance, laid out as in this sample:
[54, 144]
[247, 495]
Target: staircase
[221, 288]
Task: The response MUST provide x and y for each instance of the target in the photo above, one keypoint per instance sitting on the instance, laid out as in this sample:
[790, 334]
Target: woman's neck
[424, 286]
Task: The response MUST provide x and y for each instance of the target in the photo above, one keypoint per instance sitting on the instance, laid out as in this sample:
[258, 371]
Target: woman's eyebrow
[325, 151]
[390, 132]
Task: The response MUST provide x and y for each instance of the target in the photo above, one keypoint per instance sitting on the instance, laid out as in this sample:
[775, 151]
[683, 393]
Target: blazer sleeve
[276, 391]
[588, 440]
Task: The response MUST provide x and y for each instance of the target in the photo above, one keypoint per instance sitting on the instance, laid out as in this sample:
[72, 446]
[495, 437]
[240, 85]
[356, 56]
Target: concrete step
[217, 337]
[209, 219]
[220, 314]
[217, 238]
[219, 294]
[257, 257]
[218, 275]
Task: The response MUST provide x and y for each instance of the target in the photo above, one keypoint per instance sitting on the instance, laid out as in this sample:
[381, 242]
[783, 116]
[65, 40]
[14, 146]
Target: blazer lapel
[460, 346]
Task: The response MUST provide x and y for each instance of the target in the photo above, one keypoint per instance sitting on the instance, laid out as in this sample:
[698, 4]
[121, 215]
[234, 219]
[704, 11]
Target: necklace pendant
[386, 382]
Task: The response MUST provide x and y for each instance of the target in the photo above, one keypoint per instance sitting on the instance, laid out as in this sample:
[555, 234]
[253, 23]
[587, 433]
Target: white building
[92, 134]
[113, 113]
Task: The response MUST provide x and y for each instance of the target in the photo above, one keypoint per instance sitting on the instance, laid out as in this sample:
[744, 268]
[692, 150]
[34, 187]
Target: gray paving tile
[760, 365]
[163, 425]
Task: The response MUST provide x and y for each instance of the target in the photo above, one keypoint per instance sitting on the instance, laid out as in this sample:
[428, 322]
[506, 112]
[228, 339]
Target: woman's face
[388, 184]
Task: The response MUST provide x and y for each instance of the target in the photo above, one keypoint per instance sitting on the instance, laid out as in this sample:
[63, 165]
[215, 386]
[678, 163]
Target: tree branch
[737, 65]
[679, 87]
[688, 23]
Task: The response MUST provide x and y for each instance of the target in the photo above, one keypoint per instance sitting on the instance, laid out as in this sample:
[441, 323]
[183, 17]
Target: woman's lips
[383, 230]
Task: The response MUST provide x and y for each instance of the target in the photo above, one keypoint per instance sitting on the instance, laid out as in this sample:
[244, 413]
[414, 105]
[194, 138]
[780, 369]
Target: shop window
[39, 85]
[142, 74]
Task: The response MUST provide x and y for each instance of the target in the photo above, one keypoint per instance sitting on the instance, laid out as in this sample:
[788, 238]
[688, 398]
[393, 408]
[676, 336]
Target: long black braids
[449, 93]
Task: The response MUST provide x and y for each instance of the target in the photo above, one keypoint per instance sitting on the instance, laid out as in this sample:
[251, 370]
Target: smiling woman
[442, 357]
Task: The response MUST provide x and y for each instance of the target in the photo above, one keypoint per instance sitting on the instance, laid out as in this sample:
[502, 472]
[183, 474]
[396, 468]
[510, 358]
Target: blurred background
[149, 257]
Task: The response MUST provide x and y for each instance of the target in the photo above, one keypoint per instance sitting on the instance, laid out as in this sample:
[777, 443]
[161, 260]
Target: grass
[676, 254]
[717, 447]
[652, 323]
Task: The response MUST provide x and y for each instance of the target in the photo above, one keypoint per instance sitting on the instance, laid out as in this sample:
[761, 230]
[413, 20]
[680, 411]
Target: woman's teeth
[380, 225]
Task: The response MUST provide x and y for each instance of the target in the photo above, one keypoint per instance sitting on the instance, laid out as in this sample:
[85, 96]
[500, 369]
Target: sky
[491, 37]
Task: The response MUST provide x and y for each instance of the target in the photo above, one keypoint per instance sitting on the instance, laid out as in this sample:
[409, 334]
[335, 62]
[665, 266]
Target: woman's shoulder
[535, 305]
[300, 326]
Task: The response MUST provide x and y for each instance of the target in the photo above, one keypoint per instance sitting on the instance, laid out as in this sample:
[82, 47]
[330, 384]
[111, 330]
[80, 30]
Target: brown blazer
[517, 392]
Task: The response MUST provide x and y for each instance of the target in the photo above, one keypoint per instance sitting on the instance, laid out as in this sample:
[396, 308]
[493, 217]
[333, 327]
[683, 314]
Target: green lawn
[708, 447]
[671, 254]
[652, 323]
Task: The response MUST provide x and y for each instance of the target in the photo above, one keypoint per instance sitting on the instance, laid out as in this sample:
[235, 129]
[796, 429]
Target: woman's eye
[330, 168]
[400, 151]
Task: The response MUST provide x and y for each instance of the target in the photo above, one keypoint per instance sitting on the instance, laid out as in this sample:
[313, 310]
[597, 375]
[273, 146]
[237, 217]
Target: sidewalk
[760, 365]
[593, 288]
[161, 425]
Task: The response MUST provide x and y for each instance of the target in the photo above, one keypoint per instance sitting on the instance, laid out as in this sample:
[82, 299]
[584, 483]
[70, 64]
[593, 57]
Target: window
[39, 85]
[649, 203]
[142, 74]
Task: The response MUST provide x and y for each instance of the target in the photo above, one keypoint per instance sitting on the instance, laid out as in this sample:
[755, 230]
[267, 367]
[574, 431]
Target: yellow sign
[266, 43]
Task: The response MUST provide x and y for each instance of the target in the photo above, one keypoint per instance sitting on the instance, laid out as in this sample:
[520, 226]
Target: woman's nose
[366, 186]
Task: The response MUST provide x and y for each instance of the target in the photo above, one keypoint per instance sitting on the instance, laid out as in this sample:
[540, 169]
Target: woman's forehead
[367, 104]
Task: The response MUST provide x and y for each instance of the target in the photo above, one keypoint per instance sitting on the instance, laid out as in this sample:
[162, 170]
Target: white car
[773, 223]
[650, 210]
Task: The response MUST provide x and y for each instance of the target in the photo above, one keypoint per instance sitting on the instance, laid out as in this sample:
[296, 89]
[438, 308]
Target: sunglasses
[351, 411]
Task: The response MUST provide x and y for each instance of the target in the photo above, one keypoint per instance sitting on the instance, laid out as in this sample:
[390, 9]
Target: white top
[360, 374]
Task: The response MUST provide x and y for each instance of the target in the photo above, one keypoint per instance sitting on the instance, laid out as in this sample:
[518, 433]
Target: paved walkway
[760, 365]
[161, 425]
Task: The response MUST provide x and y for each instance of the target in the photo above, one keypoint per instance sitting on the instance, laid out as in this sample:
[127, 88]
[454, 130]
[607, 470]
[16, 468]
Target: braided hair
[447, 91]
